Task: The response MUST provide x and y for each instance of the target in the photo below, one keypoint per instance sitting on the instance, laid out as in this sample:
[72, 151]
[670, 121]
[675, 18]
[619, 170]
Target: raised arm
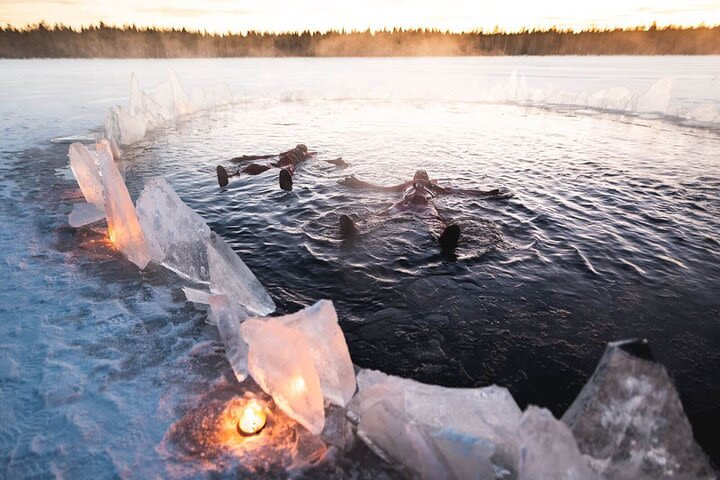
[354, 182]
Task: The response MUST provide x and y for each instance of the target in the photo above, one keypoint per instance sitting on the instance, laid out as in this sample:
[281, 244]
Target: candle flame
[252, 419]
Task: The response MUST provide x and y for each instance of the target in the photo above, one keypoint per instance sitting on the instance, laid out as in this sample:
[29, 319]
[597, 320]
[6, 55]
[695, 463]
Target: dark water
[612, 233]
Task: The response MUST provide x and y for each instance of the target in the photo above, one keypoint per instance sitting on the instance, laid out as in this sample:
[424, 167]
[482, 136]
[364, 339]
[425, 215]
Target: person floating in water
[417, 197]
[286, 161]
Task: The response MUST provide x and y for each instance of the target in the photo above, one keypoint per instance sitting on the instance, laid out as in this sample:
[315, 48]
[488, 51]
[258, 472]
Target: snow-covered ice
[176, 235]
[280, 361]
[123, 225]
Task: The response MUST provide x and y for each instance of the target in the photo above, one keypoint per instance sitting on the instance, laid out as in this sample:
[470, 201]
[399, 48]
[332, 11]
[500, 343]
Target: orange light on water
[252, 419]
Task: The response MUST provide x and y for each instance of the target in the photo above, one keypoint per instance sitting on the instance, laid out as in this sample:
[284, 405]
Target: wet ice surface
[612, 233]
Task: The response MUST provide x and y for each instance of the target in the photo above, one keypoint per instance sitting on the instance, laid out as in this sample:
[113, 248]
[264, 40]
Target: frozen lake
[612, 233]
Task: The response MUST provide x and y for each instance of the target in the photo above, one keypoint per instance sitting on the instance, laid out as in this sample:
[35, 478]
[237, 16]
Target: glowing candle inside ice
[298, 385]
[252, 419]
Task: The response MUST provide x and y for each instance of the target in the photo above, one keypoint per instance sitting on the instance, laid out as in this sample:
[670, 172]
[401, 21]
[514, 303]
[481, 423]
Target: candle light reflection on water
[209, 433]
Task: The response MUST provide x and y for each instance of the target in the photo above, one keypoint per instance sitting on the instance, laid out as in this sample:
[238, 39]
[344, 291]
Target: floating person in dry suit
[417, 197]
[286, 162]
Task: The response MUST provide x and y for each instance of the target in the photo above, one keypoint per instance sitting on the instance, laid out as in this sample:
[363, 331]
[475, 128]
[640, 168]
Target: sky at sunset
[287, 15]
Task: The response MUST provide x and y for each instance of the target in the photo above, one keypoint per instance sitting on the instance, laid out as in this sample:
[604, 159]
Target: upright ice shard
[124, 128]
[319, 325]
[176, 236]
[83, 164]
[199, 297]
[280, 361]
[116, 153]
[181, 101]
[123, 225]
[230, 275]
[228, 317]
[147, 111]
[428, 452]
[548, 450]
[629, 418]
[488, 413]
[84, 214]
[144, 106]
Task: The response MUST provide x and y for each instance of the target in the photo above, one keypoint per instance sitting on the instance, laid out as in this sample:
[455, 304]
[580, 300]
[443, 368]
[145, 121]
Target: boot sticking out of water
[347, 226]
[448, 240]
[222, 176]
[286, 181]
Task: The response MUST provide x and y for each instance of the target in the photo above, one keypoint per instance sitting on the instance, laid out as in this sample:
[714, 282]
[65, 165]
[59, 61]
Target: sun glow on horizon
[220, 16]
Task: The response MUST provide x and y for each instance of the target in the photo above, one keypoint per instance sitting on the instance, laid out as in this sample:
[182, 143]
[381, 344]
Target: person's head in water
[421, 175]
[418, 195]
[302, 147]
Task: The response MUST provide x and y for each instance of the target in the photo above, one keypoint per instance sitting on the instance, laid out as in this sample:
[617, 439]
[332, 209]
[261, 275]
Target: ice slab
[488, 413]
[143, 106]
[427, 452]
[115, 149]
[149, 110]
[84, 214]
[548, 450]
[176, 236]
[125, 128]
[629, 418]
[83, 164]
[281, 363]
[123, 225]
[196, 296]
[230, 275]
[228, 316]
[318, 325]
[338, 430]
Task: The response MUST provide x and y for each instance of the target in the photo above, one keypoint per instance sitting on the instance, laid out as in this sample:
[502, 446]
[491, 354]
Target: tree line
[103, 41]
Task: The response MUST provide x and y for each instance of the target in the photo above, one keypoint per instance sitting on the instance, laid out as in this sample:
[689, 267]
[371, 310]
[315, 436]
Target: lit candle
[252, 419]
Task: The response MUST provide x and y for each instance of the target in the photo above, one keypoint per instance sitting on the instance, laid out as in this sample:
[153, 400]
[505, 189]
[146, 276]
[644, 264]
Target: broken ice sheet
[230, 275]
[228, 317]
[429, 453]
[629, 418]
[123, 225]
[84, 166]
[488, 413]
[548, 450]
[194, 295]
[319, 325]
[84, 214]
[176, 235]
[280, 361]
